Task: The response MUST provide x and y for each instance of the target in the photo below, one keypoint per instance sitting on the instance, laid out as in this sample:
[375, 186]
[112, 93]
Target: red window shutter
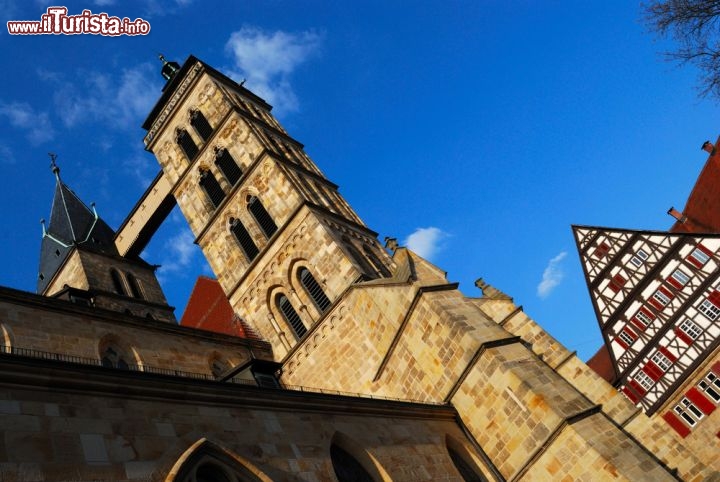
[714, 298]
[653, 371]
[716, 368]
[637, 323]
[601, 250]
[617, 282]
[676, 424]
[704, 249]
[667, 353]
[621, 343]
[631, 395]
[694, 261]
[655, 304]
[683, 336]
[666, 292]
[674, 283]
[648, 312]
[700, 401]
[638, 389]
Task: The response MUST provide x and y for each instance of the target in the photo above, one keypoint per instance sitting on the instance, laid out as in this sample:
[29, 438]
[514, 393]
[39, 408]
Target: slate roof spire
[72, 224]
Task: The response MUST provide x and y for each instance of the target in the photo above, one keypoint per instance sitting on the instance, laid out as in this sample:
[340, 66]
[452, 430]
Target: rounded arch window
[263, 218]
[290, 315]
[313, 288]
[112, 357]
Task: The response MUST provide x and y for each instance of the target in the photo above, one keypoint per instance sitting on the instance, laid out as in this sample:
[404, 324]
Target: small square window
[690, 328]
[626, 338]
[639, 258]
[709, 309]
[700, 256]
[688, 411]
[661, 298]
[661, 361]
[711, 386]
[645, 381]
[643, 318]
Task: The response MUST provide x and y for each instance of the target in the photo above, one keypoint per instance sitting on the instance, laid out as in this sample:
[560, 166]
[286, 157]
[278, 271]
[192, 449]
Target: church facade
[366, 366]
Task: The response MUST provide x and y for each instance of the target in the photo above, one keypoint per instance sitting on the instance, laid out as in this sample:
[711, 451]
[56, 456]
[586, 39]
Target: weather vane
[54, 166]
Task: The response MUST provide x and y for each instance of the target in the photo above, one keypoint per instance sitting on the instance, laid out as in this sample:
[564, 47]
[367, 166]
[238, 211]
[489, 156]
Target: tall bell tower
[281, 240]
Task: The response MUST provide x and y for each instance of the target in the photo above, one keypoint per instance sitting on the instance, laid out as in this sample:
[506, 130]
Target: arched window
[379, 266]
[463, 462]
[206, 461]
[211, 187]
[314, 290]
[218, 366]
[227, 165]
[210, 472]
[346, 467]
[118, 284]
[261, 215]
[200, 124]
[112, 358]
[187, 144]
[246, 242]
[290, 315]
[366, 268]
[134, 286]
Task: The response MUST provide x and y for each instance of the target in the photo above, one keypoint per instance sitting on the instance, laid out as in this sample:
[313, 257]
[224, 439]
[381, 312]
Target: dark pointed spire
[169, 69]
[71, 224]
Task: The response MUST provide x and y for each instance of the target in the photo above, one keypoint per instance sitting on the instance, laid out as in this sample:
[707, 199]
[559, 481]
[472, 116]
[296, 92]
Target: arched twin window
[211, 187]
[132, 282]
[134, 286]
[200, 124]
[227, 165]
[113, 358]
[246, 242]
[290, 315]
[365, 266]
[263, 218]
[314, 290]
[187, 144]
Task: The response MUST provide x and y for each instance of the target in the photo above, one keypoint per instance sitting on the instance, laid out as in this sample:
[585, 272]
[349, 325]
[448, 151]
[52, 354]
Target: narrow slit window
[227, 165]
[291, 316]
[261, 215]
[200, 124]
[187, 144]
[314, 290]
[246, 242]
[134, 286]
[117, 282]
[211, 187]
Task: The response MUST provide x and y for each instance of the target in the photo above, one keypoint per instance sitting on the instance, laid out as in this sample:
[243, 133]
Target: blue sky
[475, 132]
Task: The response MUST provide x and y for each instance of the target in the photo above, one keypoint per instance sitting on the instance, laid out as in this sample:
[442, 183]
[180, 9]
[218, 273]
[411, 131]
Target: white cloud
[179, 254]
[552, 276]
[37, 124]
[103, 98]
[267, 60]
[426, 241]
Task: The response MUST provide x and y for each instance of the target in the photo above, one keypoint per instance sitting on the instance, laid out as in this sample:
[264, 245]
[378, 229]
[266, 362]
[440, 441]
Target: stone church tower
[301, 268]
[369, 367]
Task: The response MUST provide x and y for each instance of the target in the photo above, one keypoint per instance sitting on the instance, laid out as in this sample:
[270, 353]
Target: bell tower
[282, 241]
[79, 261]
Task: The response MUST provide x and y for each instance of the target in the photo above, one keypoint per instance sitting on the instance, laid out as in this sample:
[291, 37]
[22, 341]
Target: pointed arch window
[314, 289]
[187, 144]
[117, 281]
[346, 467]
[246, 242]
[227, 165]
[211, 187]
[135, 290]
[290, 315]
[261, 215]
[462, 461]
[379, 266]
[200, 124]
[112, 358]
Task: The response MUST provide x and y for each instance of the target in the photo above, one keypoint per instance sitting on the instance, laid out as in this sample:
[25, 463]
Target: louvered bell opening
[291, 316]
[201, 125]
[246, 242]
[212, 188]
[187, 145]
[314, 290]
[261, 215]
[228, 166]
